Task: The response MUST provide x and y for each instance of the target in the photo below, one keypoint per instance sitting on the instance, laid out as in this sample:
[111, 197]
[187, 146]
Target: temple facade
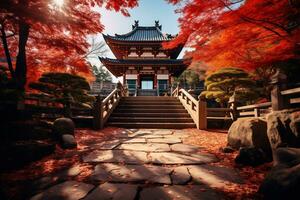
[147, 68]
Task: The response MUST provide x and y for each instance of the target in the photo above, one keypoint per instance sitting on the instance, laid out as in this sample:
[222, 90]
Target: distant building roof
[143, 33]
[116, 66]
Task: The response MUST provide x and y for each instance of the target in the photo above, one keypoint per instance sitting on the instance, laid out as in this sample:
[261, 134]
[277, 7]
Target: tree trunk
[7, 54]
[21, 65]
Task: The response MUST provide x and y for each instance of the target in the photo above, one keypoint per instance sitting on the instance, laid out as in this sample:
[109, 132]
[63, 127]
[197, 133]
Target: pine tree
[102, 75]
[64, 88]
[223, 83]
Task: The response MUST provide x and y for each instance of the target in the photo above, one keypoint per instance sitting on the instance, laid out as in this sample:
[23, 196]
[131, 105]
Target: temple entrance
[147, 82]
[147, 86]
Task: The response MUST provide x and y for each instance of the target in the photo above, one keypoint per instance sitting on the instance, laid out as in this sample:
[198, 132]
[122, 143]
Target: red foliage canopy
[57, 35]
[243, 33]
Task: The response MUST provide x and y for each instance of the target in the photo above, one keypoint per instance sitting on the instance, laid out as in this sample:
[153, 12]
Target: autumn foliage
[243, 33]
[43, 36]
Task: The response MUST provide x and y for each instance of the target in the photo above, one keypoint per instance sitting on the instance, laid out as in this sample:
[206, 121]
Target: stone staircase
[150, 112]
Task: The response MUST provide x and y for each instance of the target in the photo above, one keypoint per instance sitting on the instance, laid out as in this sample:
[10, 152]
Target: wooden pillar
[279, 84]
[201, 115]
[124, 79]
[138, 81]
[155, 81]
[234, 114]
[98, 113]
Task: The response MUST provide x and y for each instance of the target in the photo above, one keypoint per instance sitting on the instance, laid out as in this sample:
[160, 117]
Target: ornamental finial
[157, 24]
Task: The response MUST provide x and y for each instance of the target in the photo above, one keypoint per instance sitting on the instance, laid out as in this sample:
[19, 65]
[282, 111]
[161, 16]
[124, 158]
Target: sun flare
[59, 3]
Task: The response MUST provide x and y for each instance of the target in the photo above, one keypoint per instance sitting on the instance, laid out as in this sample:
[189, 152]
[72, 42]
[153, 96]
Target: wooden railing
[292, 96]
[196, 109]
[103, 108]
[219, 114]
[255, 110]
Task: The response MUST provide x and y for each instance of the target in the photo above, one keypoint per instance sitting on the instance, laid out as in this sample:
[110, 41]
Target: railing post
[98, 113]
[279, 102]
[201, 114]
[67, 106]
[256, 112]
[234, 114]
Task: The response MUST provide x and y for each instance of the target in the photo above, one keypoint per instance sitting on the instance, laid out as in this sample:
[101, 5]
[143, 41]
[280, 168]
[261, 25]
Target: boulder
[227, 149]
[22, 152]
[251, 156]
[284, 128]
[62, 126]
[249, 132]
[283, 181]
[68, 141]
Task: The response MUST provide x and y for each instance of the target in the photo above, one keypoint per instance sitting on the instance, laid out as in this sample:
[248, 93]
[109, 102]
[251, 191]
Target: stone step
[150, 103]
[144, 114]
[148, 98]
[132, 106]
[151, 119]
[152, 125]
[142, 110]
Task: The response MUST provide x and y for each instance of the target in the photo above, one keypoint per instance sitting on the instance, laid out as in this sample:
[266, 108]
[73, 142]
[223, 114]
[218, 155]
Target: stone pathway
[144, 164]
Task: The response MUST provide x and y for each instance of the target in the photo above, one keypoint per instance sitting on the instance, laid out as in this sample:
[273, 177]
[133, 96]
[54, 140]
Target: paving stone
[164, 140]
[132, 173]
[148, 147]
[71, 172]
[180, 175]
[44, 182]
[106, 145]
[69, 190]
[117, 156]
[181, 133]
[162, 132]
[191, 192]
[135, 140]
[184, 148]
[177, 158]
[53, 179]
[108, 191]
[214, 176]
[148, 136]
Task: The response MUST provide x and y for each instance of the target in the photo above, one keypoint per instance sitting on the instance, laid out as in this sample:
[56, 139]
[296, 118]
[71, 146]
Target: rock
[177, 158]
[62, 126]
[106, 145]
[184, 148]
[113, 192]
[249, 132]
[283, 128]
[155, 147]
[251, 156]
[283, 181]
[192, 192]
[227, 149]
[69, 190]
[171, 140]
[132, 173]
[214, 176]
[117, 156]
[180, 175]
[68, 141]
[134, 140]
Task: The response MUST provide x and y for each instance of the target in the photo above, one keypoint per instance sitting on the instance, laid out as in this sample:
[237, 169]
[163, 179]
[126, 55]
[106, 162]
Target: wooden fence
[48, 108]
[280, 99]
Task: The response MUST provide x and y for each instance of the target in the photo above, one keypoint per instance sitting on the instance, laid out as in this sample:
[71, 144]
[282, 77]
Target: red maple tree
[39, 35]
[243, 33]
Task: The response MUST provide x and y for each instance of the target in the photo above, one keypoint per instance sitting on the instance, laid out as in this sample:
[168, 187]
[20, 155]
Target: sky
[147, 12]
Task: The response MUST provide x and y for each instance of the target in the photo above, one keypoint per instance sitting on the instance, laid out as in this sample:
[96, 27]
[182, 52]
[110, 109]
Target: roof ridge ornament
[136, 24]
[157, 24]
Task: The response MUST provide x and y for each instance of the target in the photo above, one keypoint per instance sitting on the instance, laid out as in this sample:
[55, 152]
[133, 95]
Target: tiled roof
[144, 61]
[143, 33]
